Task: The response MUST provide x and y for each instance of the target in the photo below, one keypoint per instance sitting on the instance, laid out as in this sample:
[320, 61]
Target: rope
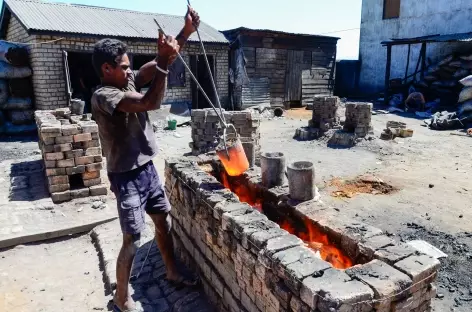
[369, 302]
[35, 43]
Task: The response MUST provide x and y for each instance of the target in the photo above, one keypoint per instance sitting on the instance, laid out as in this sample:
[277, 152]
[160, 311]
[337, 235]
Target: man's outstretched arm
[148, 70]
[134, 102]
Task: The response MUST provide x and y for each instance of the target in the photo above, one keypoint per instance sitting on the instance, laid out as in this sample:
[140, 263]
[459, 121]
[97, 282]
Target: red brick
[93, 151]
[64, 139]
[89, 144]
[65, 163]
[75, 170]
[84, 160]
[94, 167]
[59, 188]
[63, 147]
[74, 153]
[60, 197]
[54, 156]
[55, 172]
[82, 137]
[91, 175]
[50, 163]
[98, 190]
[80, 193]
[93, 182]
[55, 180]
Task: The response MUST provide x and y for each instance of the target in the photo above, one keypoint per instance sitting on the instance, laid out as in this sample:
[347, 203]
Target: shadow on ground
[27, 181]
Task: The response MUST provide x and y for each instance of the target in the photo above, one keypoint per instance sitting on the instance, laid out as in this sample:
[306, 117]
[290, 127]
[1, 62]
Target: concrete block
[89, 127]
[47, 149]
[383, 279]
[334, 290]
[66, 163]
[63, 139]
[54, 156]
[296, 305]
[82, 137]
[75, 170]
[395, 253]
[51, 130]
[97, 159]
[98, 190]
[419, 268]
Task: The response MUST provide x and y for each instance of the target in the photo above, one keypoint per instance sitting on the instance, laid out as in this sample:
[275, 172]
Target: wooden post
[387, 73]
[423, 59]
[407, 63]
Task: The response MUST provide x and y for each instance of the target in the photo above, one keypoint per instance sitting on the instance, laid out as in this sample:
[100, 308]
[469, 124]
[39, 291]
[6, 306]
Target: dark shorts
[138, 191]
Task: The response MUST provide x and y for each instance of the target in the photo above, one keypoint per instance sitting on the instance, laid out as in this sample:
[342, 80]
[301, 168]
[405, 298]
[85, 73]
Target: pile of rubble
[71, 151]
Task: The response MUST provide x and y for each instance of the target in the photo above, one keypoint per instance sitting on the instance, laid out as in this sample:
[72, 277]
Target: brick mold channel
[249, 264]
[149, 288]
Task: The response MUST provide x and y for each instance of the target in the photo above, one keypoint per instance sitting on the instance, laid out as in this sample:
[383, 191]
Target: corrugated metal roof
[243, 29]
[459, 37]
[40, 16]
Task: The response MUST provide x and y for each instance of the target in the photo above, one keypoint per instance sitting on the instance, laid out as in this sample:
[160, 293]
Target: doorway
[83, 78]
[199, 69]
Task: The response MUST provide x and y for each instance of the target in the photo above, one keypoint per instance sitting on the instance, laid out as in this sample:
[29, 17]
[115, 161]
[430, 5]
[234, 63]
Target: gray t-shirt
[127, 139]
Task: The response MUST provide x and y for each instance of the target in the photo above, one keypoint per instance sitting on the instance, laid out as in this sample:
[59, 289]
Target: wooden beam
[423, 59]
[407, 62]
[387, 74]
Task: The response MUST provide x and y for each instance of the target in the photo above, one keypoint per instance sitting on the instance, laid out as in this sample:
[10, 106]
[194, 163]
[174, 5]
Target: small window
[391, 9]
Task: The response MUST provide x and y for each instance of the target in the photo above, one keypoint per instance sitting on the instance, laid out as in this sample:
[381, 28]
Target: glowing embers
[314, 237]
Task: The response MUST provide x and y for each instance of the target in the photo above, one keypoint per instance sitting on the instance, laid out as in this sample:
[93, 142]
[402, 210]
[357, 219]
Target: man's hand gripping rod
[223, 122]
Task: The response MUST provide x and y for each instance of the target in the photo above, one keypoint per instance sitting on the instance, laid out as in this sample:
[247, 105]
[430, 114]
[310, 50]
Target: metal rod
[209, 69]
[195, 80]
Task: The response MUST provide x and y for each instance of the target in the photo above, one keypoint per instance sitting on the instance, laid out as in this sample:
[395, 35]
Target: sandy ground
[62, 275]
[431, 171]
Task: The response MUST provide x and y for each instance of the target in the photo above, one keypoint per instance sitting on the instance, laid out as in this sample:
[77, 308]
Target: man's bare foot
[127, 305]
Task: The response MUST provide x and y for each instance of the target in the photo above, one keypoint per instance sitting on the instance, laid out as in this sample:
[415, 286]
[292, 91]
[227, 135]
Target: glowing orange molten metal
[318, 241]
[235, 161]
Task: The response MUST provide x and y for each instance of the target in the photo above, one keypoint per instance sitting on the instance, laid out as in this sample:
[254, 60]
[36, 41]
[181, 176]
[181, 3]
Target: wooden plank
[293, 77]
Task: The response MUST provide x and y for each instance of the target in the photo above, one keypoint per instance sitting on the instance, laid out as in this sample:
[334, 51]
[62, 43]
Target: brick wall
[48, 70]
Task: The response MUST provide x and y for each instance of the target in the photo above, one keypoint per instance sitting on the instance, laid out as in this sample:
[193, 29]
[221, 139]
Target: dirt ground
[433, 202]
[61, 275]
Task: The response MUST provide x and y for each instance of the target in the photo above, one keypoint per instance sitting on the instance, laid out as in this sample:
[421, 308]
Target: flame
[319, 242]
[235, 162]
[311, 234]
[239, 188]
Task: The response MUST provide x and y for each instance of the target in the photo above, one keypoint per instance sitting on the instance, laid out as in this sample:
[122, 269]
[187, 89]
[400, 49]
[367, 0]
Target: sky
[298, 16]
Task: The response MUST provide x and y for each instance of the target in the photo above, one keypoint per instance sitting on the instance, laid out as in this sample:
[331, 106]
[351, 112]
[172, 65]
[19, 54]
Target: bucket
[301, 180]
[77, 107]
[172, 124]
[232, 154]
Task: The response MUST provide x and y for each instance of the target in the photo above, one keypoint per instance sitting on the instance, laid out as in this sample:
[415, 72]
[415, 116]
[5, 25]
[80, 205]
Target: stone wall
[70, 146]
[207, 130]
[48, 70]
[248, 263]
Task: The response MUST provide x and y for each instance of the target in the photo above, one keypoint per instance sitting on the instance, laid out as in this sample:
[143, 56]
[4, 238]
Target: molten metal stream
[313, 236]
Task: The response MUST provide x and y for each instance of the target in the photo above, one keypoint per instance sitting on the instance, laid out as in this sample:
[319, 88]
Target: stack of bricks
[248, 263]
[358, 119]
[324, 112]
[70, 146]
[207, 131]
